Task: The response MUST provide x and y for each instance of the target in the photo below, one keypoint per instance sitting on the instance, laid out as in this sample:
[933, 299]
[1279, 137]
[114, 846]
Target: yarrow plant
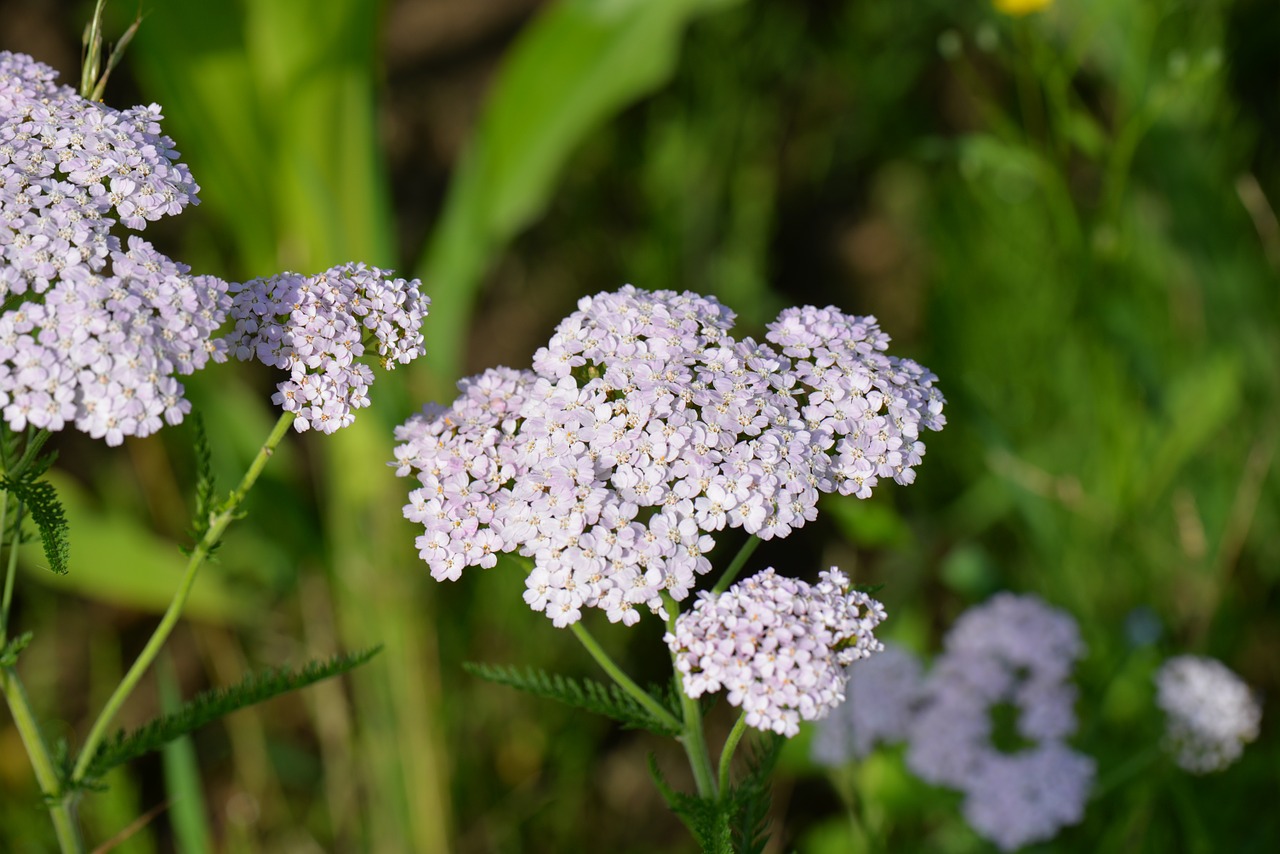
[94, 329]
[613, 466]
[1012, 651]
[94, 332]
[1210, 713]
[780, 647]
[643, 431]
[316, 328]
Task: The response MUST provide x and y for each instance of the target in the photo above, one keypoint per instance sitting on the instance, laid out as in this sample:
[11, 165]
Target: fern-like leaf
[608, 700]
[41, 501]
[752, 797]
[707, 819]
[208, 706]
[206, 486]
[9, 655]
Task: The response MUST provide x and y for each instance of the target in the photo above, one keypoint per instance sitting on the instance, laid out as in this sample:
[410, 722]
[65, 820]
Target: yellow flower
[1018, 8]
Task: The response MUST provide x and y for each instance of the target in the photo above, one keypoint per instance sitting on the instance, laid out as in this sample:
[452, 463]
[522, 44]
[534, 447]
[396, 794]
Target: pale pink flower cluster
[318, 327]
[95, 330]
[642, 431]
[779, 647]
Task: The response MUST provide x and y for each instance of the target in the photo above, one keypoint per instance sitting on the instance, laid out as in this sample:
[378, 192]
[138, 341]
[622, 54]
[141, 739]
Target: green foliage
[41, 500]
[751, 797]
[209, 706]
[9, 654]
[608, 700]
[708, 819]
[182, 783]
[577, 65]
[737, 822]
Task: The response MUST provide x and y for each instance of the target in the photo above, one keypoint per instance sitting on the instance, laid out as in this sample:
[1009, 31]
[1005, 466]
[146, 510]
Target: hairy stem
[739, 561]
[15, 696]
[64, 823]
[623, 681]
[218, 522]
[726, 752]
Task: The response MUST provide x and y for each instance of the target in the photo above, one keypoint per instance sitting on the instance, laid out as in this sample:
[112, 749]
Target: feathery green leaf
[707, 819]
[608, 700]
[9, 655]
[205, 483]
[41, 500]
[751, 798]
[208, 706]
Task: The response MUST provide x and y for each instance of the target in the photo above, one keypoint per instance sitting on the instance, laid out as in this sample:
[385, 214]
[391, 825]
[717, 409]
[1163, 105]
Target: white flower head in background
[1210, 712]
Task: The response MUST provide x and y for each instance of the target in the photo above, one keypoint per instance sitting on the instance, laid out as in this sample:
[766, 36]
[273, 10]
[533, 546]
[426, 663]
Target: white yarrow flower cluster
[644, 429]
[1210, 712]
[317, 327]
[1019, 651]
[882, 697]
[95, 330]
[780, 647]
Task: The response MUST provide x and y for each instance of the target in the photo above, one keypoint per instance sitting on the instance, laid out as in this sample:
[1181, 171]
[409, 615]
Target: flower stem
[15, 696]
[730, 746]
[623, 681]
[218, 522]
[64, 824]
[10, 571]
[739, 561]
[692, 736]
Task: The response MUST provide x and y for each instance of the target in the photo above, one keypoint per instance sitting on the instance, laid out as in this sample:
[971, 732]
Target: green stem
[739, 561]
[218, 522]
[64, 824]
[692, 736]
[10, 572]
[625, 682]
[730, 746]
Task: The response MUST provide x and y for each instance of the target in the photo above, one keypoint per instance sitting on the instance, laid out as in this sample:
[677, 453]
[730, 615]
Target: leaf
[205, 482]
[752, 798]
[209, 706]
[182, 775]
[707, 818]
[608, 700]
[41, 500]
[9, 654]
[577, 65]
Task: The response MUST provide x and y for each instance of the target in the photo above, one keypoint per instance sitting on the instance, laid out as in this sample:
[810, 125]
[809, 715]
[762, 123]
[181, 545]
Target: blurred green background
[1069, 216]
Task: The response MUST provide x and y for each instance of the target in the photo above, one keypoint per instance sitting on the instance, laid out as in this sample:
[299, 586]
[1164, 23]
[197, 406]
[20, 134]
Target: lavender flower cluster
[1011, 650]
[316, 327]
[95, 330]
[780, 647]
[1210, 712]
[643, 429]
